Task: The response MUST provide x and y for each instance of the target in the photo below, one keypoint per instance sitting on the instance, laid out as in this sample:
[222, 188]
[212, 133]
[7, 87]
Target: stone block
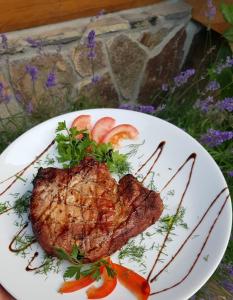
[162, 67]
[137, 20]
[108, 23]
[102, 93]
[152, 39]
[36, 92]
[83, 64]
[127, 59]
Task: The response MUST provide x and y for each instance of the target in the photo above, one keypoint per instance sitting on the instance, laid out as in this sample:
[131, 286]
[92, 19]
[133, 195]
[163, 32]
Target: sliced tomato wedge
[109, 284]
[133, 282]
[123, 131]
[82, 122]
[101, 128]
[75, 285]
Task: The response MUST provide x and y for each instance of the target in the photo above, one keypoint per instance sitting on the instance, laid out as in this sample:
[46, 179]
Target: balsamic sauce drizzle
[193, 157]
[189, 236]
[160, 149]
[14, 239]
[29, 268]
[199, 253]
[21, 172]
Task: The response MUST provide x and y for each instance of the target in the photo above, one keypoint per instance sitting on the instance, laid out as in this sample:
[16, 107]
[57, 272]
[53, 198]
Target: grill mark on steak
[97, 214]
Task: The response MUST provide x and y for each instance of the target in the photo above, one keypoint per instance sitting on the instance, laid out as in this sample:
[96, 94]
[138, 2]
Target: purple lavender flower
[32, 71]
[148, 109]
[212, 86]
[95, 78]
[91, 43]
[223, 65]
[228, 285]
[204, 105]
[230, 174]
[18, 97]
[183, 77]
[210, 13]
[29, 108]
[4, 97]
[214, 138]
[91, 39]
[34, 43]
[4, 41]
[164, 87]
[100, 13]
[226, 104]
[51, 80]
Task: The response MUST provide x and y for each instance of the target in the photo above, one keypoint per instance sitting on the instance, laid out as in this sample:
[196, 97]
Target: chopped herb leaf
[72, 150]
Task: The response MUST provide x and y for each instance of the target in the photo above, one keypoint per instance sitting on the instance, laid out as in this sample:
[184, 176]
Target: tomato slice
[82, 122]
[133, 282]
[101, 128]
[109, 284]
[123, 131]
[75, 285]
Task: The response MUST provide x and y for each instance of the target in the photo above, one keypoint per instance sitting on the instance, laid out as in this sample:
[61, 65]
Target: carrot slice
[109, 284]
[101, 128]
[133, 282]
[75, 285]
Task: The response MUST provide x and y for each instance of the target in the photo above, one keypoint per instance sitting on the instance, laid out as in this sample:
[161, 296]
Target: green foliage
[227, 11]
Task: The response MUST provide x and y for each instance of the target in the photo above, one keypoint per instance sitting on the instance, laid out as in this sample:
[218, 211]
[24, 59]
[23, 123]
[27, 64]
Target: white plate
[206, 182]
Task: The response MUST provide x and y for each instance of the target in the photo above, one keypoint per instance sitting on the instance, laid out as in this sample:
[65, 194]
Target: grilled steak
[85, 206]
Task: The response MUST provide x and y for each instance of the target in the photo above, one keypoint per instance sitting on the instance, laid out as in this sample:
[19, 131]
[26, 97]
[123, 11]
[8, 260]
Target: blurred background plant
[199, 100]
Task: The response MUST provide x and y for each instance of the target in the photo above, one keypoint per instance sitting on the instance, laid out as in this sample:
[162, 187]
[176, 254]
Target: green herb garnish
[79, 269]
[169, 222]
[21, 204]
[133, 252]
[72, 150]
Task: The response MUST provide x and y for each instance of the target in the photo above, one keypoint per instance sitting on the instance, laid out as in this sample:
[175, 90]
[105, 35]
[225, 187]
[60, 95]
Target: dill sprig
[4, 207]
[49, 264]
[21, 204]
[132, 252]
[49, 161]
[169, 222]
[133, 148]
[23, 241]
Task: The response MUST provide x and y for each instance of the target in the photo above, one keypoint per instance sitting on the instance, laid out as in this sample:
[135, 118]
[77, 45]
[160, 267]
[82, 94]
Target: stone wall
[136, 52]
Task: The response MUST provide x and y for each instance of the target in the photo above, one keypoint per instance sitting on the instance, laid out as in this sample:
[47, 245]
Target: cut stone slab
[83, 64]
[110, 23]
[36, 92]
[163, 67]
[127, 60]
[137, 20]
[151, 40]
[102, 93]
[170, 10]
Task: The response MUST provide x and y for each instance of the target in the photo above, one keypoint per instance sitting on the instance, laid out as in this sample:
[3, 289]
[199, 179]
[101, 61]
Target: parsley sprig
[72, 150]
[78, 269]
